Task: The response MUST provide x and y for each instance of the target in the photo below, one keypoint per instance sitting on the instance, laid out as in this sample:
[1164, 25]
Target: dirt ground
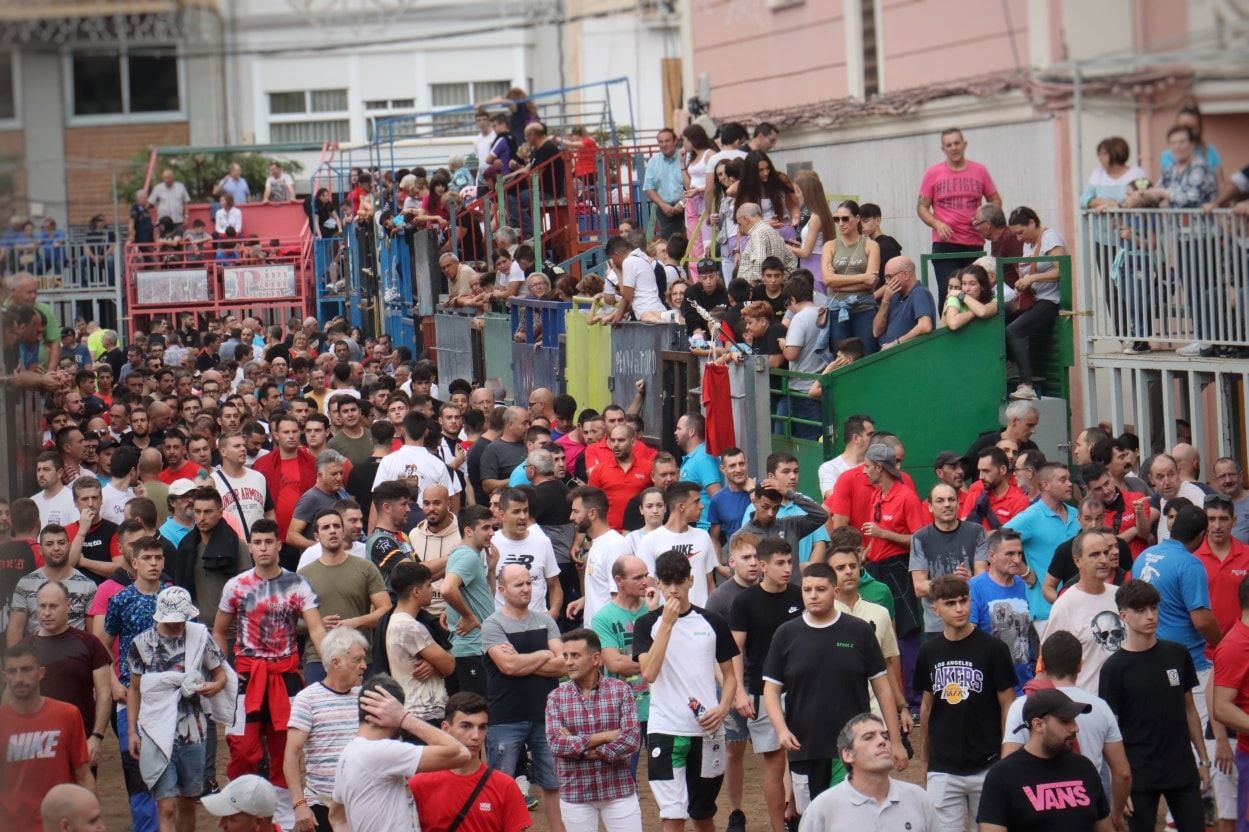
[117, 811]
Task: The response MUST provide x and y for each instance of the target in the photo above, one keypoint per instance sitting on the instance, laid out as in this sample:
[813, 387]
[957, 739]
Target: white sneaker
[1023, 392]
[1191, 350]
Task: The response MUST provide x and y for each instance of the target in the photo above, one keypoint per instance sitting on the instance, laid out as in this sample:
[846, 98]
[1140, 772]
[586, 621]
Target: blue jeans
[801, 406]
[184, 776]
[506, 742]
[857, 325]
[142, 805]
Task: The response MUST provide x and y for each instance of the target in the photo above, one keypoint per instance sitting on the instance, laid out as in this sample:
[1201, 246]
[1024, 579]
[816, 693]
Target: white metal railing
[81, 264]
[1168, 275]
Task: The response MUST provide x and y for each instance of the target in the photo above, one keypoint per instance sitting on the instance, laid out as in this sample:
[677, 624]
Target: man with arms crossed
[524, 660]
[592, 729]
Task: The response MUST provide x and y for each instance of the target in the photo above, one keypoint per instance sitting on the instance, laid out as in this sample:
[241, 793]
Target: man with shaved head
[69, 807]
[907, 309]
[435, 537]
[542, 404]
[1188, 461]
[524, 661]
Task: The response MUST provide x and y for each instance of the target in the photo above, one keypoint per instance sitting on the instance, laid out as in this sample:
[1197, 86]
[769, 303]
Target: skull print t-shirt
[1002, 611]
[1094, 620]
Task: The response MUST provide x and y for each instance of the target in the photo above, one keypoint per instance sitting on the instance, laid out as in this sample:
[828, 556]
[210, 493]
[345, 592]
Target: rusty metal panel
[635, 355]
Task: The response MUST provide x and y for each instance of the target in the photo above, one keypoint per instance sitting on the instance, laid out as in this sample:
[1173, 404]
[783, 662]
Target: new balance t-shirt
[534, 552]
[700, 641]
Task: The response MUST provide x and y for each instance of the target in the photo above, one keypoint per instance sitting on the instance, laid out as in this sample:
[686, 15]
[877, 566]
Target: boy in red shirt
[440, 795]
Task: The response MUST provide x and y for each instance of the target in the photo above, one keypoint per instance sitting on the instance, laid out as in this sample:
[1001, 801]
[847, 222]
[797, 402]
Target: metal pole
[117, 259]
[758, 439]
[1082, 243]
[535, 208]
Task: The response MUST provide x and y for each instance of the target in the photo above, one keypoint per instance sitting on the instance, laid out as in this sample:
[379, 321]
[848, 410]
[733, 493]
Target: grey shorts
[757, 729]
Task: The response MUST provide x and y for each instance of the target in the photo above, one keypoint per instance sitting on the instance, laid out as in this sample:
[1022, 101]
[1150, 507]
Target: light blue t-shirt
[1042, 531]
[1181, 581]
[476, 591]
[790, 509]
[518, 477]
[173, 531]
[1003, 611]
[1208, 152]
[704, 469]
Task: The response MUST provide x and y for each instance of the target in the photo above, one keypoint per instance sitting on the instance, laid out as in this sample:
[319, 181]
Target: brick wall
[11, 155]
[92, 190]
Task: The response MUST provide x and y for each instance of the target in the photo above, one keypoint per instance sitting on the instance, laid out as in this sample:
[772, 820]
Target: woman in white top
[227, 216]
[653, 508]
[1106, 190]
[1040, 280]
[698, 149]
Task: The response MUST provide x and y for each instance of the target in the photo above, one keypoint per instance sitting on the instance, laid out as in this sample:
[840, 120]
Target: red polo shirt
[1231, 670]
[1123, 520]
[1224, 577]
[852, 495]
[621, 486]
[1004, 508]
[900, 512]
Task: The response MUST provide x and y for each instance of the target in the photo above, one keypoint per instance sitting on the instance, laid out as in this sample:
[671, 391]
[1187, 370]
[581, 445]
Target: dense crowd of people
[365, 578]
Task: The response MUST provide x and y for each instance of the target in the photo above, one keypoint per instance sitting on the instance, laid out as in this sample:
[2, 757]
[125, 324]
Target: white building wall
[888, 171]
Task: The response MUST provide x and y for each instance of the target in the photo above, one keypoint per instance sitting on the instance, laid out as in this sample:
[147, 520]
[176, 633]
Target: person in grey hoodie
[765, 523]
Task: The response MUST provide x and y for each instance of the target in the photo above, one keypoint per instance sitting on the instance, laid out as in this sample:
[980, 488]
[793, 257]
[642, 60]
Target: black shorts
[674, 768]
[470, 673]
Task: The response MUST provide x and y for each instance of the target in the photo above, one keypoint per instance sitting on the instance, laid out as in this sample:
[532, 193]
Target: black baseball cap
[947, 458]
[1052, 702]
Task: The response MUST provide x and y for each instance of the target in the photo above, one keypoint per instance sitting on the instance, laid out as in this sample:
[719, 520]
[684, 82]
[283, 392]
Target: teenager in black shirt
[967, 679]
[1149, 685]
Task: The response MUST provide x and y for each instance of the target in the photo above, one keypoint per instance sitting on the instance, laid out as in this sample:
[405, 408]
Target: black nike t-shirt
[1026, 793]
[759, 613]
[964, 678]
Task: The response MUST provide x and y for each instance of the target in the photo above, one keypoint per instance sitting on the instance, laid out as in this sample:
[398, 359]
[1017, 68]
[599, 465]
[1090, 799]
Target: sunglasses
[1218, 500]
[843, 219]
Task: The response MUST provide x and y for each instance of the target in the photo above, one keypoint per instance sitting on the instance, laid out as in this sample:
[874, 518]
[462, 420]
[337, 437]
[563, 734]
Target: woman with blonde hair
[811, 246]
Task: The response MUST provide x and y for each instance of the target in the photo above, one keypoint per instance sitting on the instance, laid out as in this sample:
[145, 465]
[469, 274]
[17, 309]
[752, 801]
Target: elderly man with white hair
[23, 288]
[459, 275]
[907, 309]
[324, 718]
[762, 241]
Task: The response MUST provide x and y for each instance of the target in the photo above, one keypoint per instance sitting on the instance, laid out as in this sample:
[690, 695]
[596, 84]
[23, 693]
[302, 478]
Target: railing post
[758, 439]
[535, 208]
[502, 207]
[600, 194]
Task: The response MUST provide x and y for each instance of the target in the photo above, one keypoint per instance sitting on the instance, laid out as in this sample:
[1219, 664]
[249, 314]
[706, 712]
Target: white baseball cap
[246, 795]
[181, 487]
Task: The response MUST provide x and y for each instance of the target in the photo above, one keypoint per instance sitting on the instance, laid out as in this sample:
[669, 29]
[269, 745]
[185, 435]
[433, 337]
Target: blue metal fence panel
[535, 354]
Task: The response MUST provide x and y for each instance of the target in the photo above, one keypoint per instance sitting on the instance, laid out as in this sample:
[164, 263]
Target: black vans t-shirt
[1026, 793]
[1146, 690]
[824, 674]
[97, 546]
[964, 677]
[759, 613]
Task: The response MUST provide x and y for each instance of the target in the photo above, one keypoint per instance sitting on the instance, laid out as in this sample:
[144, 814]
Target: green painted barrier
[497, 345]
[937, 393]
[588, 350]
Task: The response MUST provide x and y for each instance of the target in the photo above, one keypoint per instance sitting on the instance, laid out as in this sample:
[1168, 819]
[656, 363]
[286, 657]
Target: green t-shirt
[876, 592]
[614, 626]
[476, 591]
[357, 450]
[344, 590]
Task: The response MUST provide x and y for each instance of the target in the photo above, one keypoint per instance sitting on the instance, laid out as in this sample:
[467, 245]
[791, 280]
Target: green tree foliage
[200, 172]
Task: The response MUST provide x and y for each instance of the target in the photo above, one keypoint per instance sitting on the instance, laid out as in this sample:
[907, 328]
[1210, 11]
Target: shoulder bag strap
[247, 533]
[468, 804]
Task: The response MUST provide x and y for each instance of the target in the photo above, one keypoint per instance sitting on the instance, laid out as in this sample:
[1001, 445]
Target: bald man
[907, 309]
[434, 538]
[71, 808]
[1188, 461]
[542, 404]
[23, 288]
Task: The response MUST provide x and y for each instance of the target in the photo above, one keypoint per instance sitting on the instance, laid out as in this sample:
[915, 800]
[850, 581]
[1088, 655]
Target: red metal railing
[269, 279]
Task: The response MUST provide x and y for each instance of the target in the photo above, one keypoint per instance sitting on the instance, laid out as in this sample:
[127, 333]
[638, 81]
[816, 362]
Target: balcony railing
[1168, 277]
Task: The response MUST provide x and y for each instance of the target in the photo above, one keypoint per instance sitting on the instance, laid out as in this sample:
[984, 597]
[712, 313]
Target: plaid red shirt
[571, 719]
